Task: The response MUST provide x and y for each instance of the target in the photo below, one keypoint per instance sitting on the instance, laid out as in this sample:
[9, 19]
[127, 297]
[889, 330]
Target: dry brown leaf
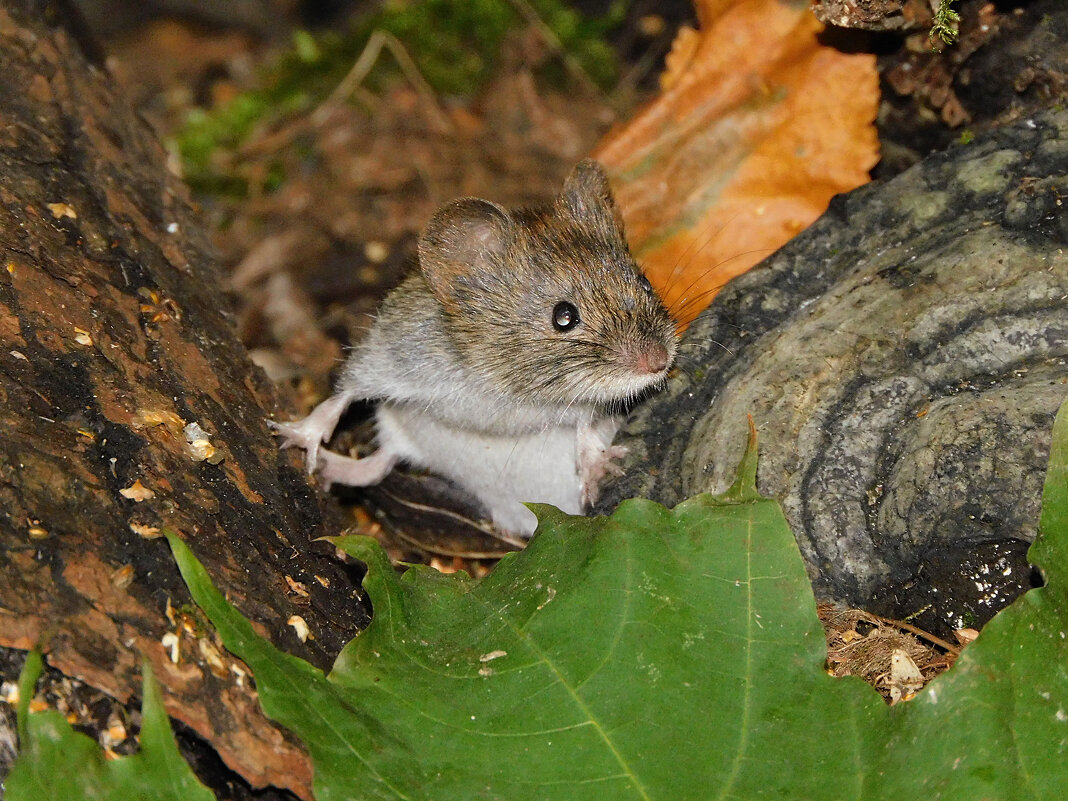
[757, 127]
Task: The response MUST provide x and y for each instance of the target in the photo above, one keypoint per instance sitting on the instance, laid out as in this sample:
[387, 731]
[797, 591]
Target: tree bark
[903, 359]
[113, 339]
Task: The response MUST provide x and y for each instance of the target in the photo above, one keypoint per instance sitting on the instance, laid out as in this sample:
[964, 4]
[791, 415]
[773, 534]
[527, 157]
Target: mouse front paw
[313, 430]
[596, 464]
[297, 434]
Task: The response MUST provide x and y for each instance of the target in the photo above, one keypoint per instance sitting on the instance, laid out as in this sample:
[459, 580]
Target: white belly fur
[502, 471]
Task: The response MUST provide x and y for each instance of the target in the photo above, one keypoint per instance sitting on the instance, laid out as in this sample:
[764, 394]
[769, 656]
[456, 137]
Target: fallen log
[115, 338]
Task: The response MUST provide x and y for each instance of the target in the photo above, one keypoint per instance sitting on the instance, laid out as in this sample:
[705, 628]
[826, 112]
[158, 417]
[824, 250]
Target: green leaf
[56, 762]
[660, 654]
[744, 490]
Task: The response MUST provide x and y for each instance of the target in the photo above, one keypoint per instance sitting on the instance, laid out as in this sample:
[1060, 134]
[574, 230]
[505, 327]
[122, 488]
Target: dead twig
[550, 38]
[923, 635]
[351, 82]
[350, 86]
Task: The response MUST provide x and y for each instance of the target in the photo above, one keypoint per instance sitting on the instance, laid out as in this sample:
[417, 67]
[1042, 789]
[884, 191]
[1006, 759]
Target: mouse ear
[463, 242]
[587, 195]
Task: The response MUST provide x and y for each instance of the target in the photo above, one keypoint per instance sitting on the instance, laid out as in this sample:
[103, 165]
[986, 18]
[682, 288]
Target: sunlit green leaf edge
[57, 762]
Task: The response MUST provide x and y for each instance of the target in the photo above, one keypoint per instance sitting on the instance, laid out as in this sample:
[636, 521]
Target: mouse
[504, 362]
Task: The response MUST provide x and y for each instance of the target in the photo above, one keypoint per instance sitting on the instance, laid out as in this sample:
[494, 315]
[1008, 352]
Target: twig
[363, 66]
[924, 635]
[349, 86]
[549, 36]
[637, 73]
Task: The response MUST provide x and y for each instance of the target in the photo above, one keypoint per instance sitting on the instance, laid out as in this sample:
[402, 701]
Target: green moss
[275, 177]
[226, 128]
[455, 44]
[945, 27]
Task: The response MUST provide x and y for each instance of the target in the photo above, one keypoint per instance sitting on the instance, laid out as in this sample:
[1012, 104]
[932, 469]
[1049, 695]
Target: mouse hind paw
[595, 466]
[338, 469]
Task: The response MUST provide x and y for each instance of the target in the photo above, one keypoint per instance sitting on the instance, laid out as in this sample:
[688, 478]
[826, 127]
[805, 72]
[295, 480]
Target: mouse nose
[652, 359]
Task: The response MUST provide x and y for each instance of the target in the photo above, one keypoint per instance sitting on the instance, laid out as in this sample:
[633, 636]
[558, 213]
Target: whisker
[683, 302]
[719, 344]
[697, 304]
[676, 308]
[686, 372]
[684, 258]
[727, 260]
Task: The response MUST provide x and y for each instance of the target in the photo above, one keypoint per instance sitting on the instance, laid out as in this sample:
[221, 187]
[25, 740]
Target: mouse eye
[645, 283]
[565, 316]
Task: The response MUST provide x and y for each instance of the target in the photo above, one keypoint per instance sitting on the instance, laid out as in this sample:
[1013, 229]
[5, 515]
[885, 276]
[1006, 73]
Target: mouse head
[548, 304]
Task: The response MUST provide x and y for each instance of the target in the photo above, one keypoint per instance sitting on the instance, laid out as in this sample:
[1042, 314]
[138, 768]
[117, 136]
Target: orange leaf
[758, 125]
